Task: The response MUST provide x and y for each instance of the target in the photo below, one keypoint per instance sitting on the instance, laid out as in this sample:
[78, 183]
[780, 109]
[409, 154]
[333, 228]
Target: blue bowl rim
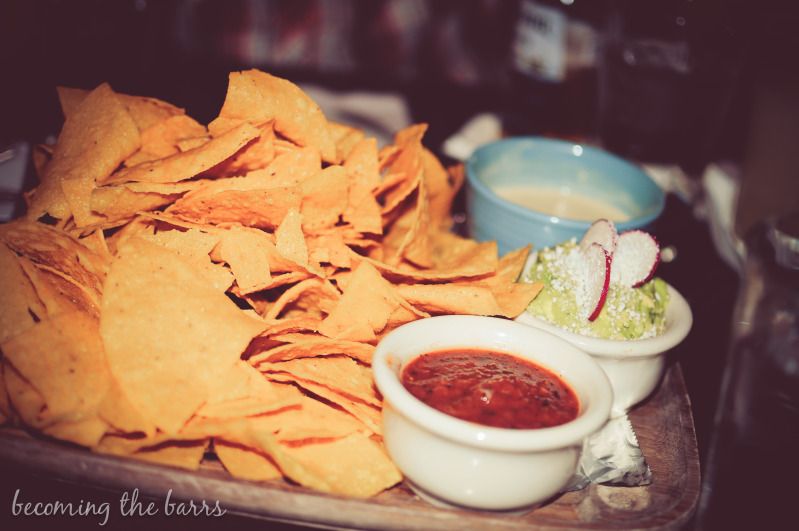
[560, 146]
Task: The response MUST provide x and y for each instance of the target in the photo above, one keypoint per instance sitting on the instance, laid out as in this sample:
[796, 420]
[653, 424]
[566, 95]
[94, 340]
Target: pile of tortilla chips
[180, 291]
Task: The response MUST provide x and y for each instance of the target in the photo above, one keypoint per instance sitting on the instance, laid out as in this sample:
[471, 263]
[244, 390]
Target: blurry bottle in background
[554, 68]
[667, 74]
[752, 464]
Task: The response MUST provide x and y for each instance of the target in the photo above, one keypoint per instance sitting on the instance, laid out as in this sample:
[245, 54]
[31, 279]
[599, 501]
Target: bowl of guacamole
[628, 313]
[630, 336]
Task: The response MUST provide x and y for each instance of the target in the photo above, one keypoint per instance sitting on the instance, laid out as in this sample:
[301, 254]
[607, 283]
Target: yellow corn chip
[312, 347]
[353, 466]
[167, 333]
[187, 164]
[245, 462]
[96, 138]
[324, 199]
[21, 307]
[258, 97]
[340, 373]
[63, 358]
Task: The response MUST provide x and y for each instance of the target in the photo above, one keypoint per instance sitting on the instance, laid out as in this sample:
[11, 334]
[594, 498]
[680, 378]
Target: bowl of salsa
[486, 413]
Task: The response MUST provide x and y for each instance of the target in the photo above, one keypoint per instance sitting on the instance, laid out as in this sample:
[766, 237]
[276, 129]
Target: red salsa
[490, 388]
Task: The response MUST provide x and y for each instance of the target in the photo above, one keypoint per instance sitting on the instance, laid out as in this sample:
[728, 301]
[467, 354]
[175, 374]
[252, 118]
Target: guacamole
[628, 313]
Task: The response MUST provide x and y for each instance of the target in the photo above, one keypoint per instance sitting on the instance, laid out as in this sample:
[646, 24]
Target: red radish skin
[651, 272]
[597, 282]
[603, 232]
[636, 258]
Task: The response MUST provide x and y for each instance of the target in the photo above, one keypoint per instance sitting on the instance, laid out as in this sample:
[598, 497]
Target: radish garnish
[603, 232]
[636, 258]
[596, 279]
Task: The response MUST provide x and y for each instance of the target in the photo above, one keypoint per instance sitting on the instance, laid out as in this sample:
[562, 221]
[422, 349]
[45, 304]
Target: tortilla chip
[52, 248]
[312, 347]
[389, 182]
[443, 186]
[187, 164]
[371, 417]
[63, 358]
[21, 307]
[263, 301]
[222, 203]
[146, 112]
[363, 172]
[69, 98]
[96, 243]
[454, 258]
[292, 167]
[93, 143]
[162, 139]
[118, 411]
[244, 462]
[510, 266]
[324, 198]
[116, 203]
[412, 232]
[364, 308]
[247, 252]
[195, 245]
[345, 137]
[242, 391]
[329, 248]
[84, 432]
[485, 297]
[258, 97]
[188, 144]
[267, 443]
[438, 299]
[297, 324]
[313, 297]
[340, 373]
[254, 156]
[161, 449]
[290, 240]
[58, 293]
[5, 404]
[408, 163]
[181, 454]
[27, 403]
[512, 297]
[167, 333]
[281, 328]
[310, 421]
[149, 112]
[353, 466]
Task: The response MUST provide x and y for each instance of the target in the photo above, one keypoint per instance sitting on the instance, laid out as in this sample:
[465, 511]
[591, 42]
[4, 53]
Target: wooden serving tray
[664, 426]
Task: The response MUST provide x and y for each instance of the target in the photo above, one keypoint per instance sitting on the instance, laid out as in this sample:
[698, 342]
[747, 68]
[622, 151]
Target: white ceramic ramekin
[634, 367]
[461, 463]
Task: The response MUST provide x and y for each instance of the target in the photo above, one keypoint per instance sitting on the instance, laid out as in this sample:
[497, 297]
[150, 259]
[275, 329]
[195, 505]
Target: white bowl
[452, 461]
[634, 367]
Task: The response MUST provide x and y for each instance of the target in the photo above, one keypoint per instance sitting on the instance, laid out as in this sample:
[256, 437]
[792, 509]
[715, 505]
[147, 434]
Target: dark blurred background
[468, 53]
[676, 82]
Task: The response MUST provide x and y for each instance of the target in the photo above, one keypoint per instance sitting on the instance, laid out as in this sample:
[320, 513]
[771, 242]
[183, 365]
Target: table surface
[664, 426]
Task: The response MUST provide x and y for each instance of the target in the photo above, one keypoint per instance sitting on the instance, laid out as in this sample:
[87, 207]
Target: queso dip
[554, 202]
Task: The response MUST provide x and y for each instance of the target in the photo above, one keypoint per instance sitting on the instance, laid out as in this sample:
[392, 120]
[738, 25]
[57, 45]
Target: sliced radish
[636, 258]
[596, 279]
[603, 232]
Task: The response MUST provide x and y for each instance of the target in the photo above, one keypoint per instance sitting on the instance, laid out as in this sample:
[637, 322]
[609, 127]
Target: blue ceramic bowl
[553, 165]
